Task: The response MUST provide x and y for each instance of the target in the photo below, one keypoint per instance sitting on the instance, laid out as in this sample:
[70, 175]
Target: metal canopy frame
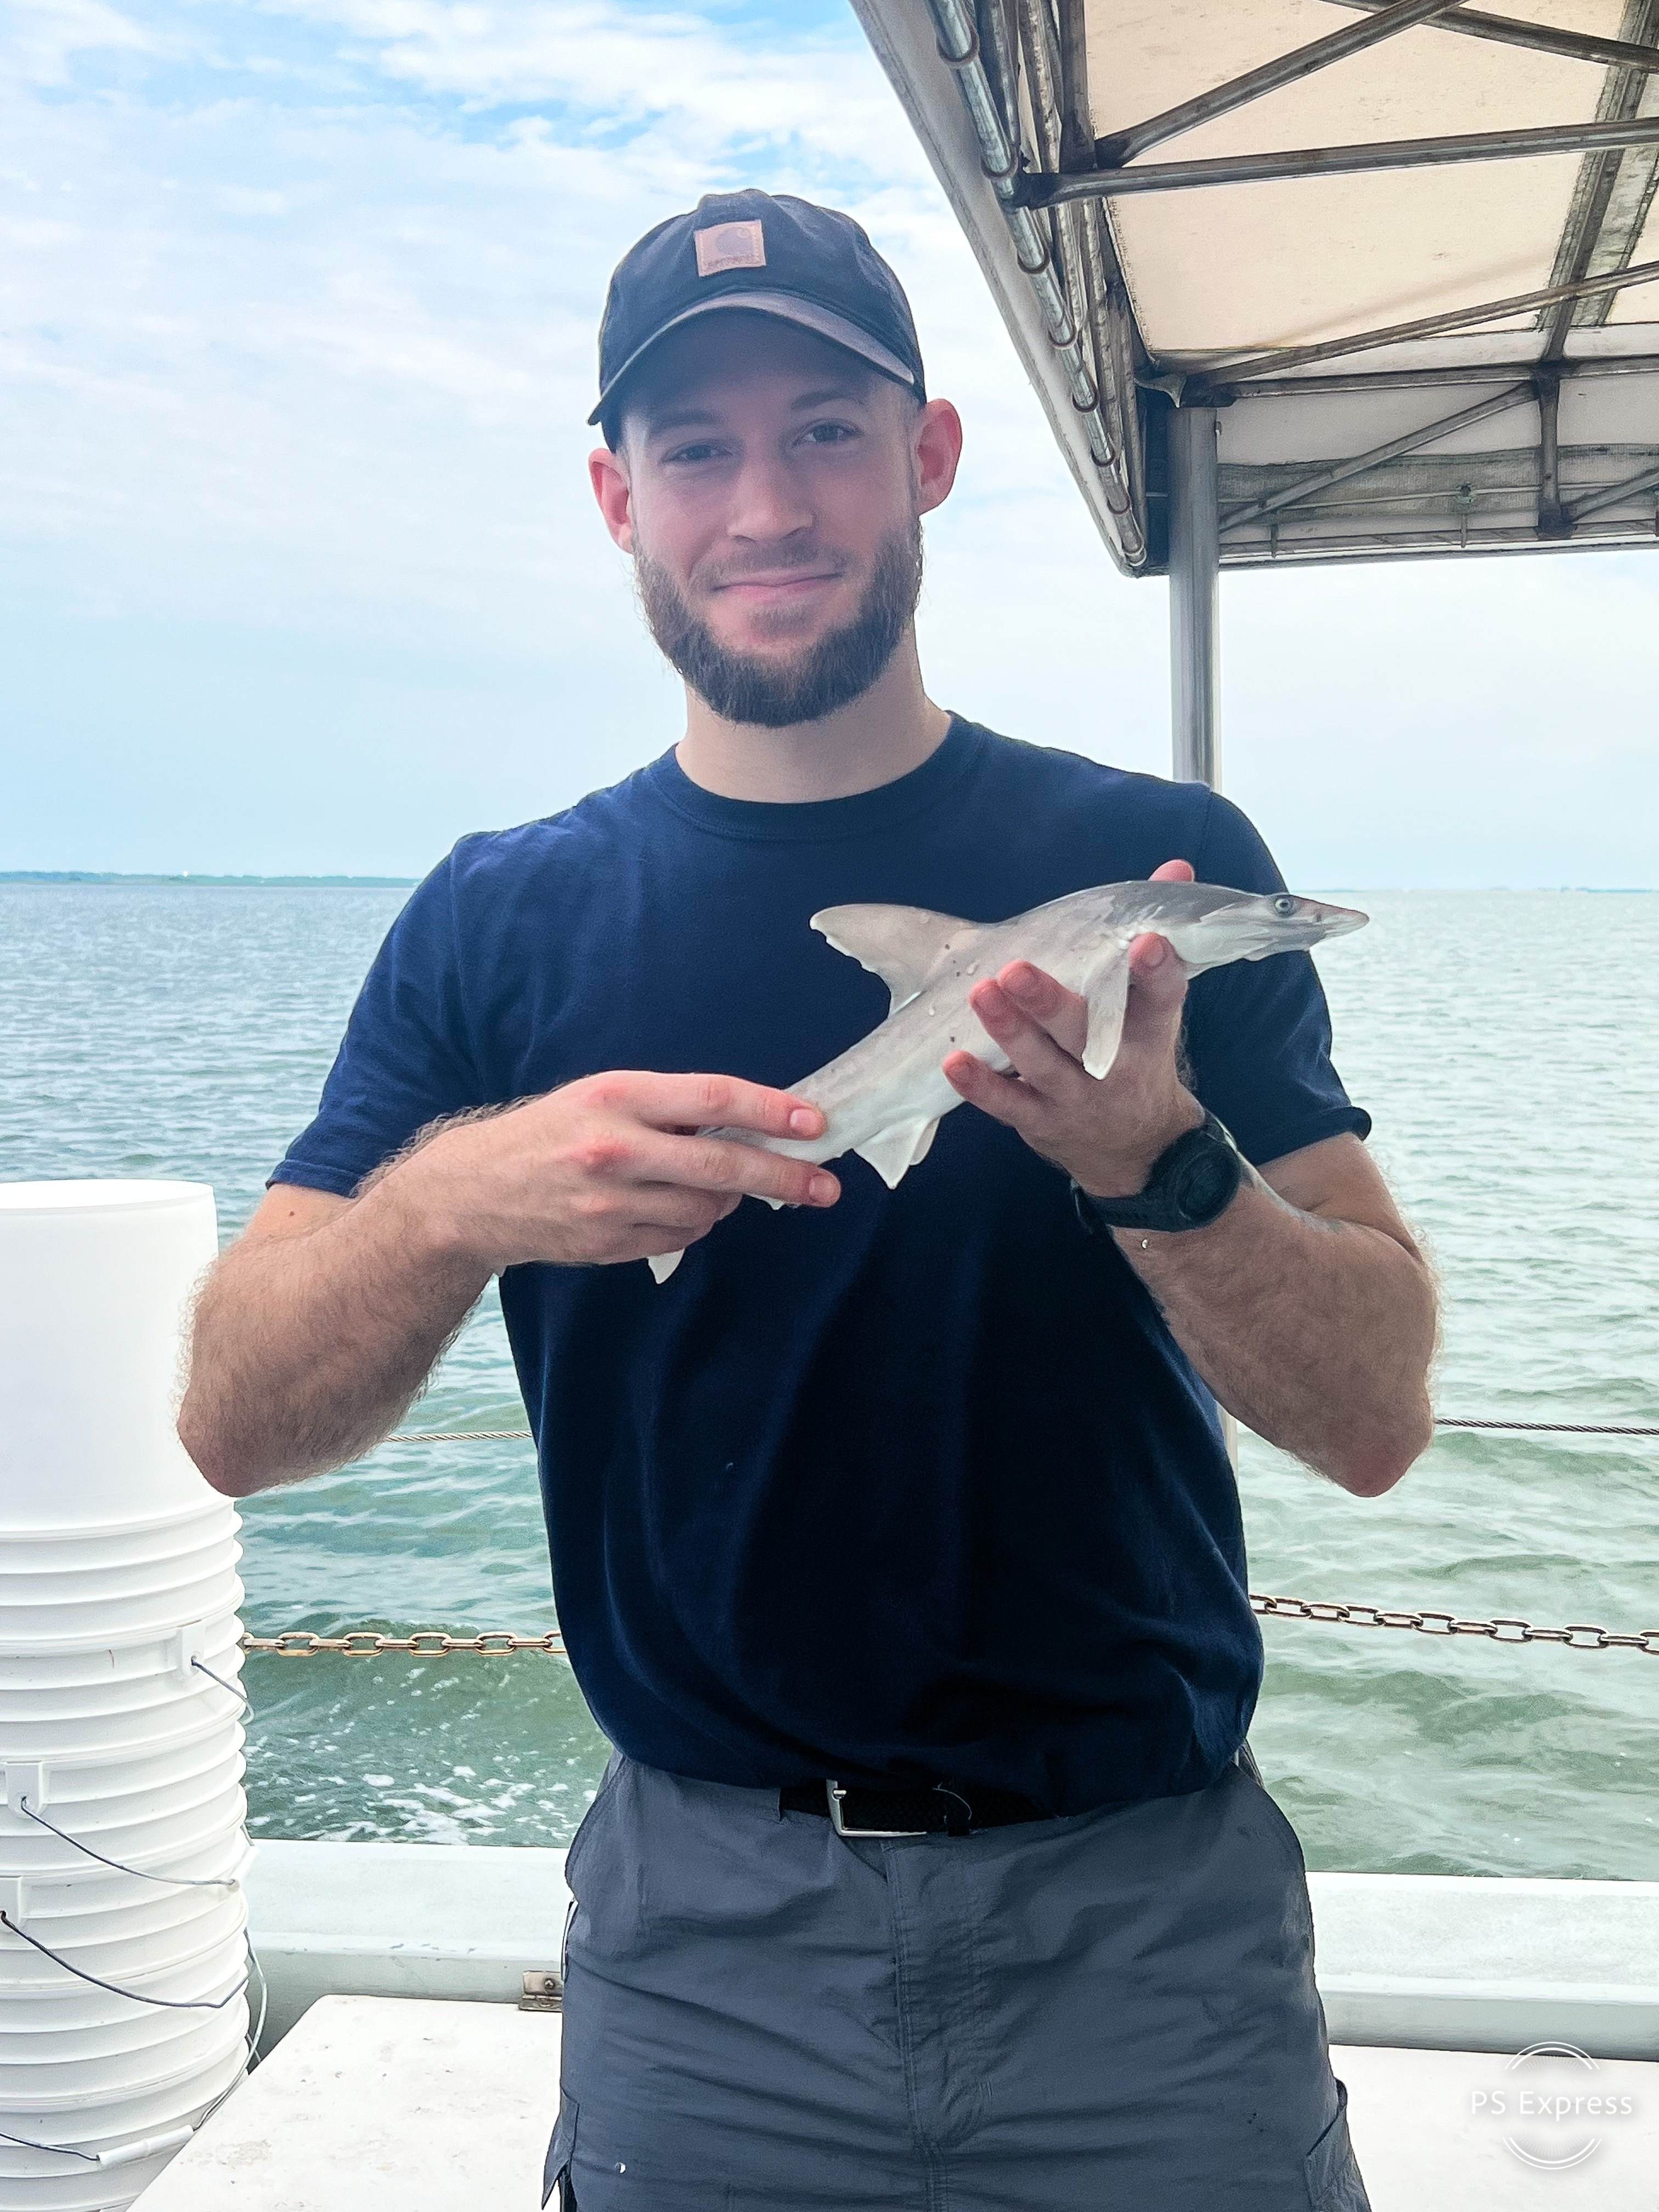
[1541, 37]
[1340, 161]
[1393, 15]
[1457, 318]
[1148, 436]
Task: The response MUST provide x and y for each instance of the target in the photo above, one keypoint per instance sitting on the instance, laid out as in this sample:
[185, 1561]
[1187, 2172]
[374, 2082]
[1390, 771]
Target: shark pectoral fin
[902, 944]
[1107, 1001]
[663, 1264]
[896, 1150]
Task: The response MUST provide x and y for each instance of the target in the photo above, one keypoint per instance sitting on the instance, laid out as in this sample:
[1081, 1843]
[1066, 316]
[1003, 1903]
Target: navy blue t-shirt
[919, 1486]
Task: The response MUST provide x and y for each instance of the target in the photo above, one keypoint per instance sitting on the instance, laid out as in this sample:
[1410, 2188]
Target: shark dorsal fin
[901, 944]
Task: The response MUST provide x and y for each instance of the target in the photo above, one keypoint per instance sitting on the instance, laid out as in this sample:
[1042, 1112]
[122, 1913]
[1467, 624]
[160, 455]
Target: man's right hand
[315, 1330]
[607, 1169]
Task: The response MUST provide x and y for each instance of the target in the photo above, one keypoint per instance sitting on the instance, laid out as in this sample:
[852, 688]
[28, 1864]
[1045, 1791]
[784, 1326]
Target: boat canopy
[1404, 254]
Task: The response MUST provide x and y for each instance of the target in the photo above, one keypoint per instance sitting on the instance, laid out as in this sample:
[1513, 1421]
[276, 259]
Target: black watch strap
[1193, 1182]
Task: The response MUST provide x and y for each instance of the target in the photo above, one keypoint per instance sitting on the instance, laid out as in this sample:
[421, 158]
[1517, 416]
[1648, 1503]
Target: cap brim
[783, 307]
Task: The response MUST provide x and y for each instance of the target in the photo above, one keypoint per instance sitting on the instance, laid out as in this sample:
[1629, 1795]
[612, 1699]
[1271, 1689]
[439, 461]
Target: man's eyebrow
[678, 419]
[826, 393]
[660, 421]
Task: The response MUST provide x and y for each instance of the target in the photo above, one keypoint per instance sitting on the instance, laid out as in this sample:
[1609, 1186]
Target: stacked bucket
[118, 1573]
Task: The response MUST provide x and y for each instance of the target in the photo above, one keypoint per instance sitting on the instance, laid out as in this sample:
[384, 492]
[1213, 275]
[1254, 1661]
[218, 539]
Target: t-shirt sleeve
[406, 1058]
[1259, 1031]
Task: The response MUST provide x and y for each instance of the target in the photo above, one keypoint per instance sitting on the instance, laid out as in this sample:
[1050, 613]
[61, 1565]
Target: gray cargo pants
[1113, 2012]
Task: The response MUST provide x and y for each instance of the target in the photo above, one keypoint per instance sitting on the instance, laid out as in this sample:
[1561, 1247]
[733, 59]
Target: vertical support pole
[1553, 521]
[1195, 626]
[1194, 595]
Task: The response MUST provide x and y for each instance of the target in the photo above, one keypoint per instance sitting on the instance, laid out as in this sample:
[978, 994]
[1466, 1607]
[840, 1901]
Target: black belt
[923, 1809]
[937, 1809]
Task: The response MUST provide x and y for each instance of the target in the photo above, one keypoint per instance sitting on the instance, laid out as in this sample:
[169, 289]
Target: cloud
[720, 89]
[47, 37]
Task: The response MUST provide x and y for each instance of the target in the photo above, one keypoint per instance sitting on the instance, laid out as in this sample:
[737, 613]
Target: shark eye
[1285, 903]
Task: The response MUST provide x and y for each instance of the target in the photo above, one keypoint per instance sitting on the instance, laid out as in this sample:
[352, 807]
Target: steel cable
[1442, 1421]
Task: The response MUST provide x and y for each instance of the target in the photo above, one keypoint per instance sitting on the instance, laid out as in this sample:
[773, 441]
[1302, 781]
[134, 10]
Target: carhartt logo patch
[730, 246]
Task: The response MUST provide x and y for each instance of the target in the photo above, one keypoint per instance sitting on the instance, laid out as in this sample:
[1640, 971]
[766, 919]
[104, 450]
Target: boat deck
[390, 2103]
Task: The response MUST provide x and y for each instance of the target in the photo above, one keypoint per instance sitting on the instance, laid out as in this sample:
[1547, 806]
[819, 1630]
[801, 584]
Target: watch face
[1208, 1182]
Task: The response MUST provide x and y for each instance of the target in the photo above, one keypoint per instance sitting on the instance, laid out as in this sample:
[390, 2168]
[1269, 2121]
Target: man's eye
[831, 434]
[702, 450]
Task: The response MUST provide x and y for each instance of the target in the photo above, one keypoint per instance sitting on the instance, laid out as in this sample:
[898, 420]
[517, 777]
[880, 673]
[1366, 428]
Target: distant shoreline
[224, 883]
[408, 882]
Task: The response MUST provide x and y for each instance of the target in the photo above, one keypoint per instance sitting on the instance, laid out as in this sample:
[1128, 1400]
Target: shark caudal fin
[896, 1152]
[902, 944]
[663, 1264]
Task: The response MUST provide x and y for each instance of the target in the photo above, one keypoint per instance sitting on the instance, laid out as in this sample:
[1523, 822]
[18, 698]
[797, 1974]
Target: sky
[300, 570]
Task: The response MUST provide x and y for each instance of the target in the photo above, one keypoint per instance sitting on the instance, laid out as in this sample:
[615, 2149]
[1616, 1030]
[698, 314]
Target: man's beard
[841, 667]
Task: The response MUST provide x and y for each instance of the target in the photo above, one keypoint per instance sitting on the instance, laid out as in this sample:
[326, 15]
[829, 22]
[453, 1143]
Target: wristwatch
[1193, 1182]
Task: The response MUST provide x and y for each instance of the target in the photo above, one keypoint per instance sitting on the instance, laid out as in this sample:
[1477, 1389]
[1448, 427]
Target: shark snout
[1339, 920]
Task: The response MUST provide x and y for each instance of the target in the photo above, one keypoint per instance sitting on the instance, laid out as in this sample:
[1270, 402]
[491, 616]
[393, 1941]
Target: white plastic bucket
[213, 1804]
[147, 1707]
[74, 1581]
[72, 1832]
[175, 1721]
[42, 2036]
[57, 1898]
[115, 2060]
[100, 1628]
[115, 1944]
[103, 2121]
[143, 1536]
[63, 1912]
[49, 1622]
[112, 1677]
[125, 1736]
[93, 1801]
[139, 1942]
[96, 1281]
[89, 1781]
[69, 1908]
[35, 2181]
[116, 2069]
[117, 1566]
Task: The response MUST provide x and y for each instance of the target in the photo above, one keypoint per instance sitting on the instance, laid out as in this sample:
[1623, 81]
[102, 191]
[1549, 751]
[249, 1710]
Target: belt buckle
[836, 1792]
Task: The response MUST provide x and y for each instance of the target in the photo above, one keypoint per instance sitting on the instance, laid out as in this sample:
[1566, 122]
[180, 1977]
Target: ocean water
[1508, 1045]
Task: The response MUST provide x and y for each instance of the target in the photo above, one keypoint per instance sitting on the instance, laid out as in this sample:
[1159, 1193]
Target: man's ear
[937, 444]
[607, 474]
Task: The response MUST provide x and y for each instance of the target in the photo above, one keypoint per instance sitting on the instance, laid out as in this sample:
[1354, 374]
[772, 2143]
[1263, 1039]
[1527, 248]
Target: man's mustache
[825, 564]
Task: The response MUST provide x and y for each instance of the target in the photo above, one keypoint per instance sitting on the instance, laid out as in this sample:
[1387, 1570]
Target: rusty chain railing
[1576, 1636]
[426, 1643]
[501, 1643]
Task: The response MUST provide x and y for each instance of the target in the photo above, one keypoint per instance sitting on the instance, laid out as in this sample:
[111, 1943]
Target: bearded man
[895, 1539]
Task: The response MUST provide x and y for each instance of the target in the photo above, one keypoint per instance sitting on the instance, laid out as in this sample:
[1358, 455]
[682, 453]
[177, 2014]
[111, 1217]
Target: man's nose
[769, 502]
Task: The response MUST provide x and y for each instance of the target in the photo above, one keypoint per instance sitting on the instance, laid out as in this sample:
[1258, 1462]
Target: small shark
[884, 1097]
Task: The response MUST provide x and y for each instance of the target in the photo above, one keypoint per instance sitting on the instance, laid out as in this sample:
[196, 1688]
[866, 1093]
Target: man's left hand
[1106, 1131]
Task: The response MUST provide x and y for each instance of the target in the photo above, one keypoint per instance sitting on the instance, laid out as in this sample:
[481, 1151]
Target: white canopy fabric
[1198, 260]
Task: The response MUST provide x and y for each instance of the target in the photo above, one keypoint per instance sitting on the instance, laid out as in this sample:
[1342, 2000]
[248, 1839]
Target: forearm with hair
[306, 1349]
[1316, 1333]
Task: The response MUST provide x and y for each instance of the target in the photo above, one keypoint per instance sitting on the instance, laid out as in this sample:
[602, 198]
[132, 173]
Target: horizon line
[340, 882]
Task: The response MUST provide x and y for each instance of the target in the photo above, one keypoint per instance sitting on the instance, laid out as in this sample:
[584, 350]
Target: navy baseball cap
[774, 255]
